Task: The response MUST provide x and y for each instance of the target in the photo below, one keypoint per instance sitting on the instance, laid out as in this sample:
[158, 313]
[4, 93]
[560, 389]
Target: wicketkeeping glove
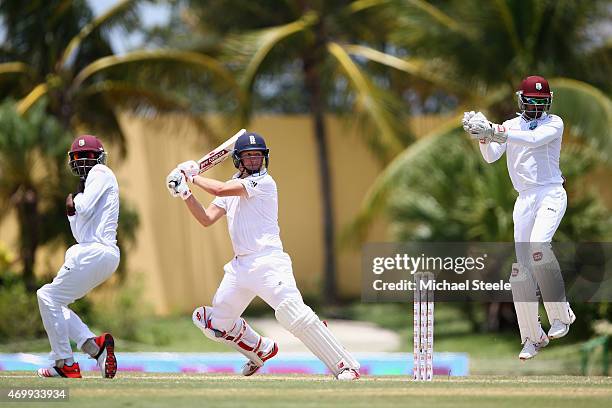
[466, 118]
[480, 128]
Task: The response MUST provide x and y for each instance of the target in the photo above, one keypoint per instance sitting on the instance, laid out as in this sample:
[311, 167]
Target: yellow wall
[181, 260]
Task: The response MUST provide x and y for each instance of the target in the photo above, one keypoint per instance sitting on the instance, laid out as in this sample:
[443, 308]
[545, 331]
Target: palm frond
[96, 115]
[123, 94]
[416, 67]
[440, 17]
[429, 147]
[360, 5]
[508, 22]
[586, 112]
[107, 18]
[369, 99]
[179, 58]
[145, 101]
[249, 53]
[257, 45]
[30, 99]
[15, 68]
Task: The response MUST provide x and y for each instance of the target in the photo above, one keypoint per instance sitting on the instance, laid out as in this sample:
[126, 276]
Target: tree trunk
[317, 109]
[29, 223]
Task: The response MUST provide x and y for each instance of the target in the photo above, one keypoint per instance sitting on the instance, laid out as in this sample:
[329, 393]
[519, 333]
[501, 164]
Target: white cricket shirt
[253, 220]
[97, 208]
[532, 155]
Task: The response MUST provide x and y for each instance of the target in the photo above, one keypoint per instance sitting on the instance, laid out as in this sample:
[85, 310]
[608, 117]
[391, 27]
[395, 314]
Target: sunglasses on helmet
[83, 155]
[535, 101]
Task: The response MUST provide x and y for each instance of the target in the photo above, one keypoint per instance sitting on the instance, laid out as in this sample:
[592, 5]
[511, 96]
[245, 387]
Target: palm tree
[308, 46]
[34, 179]
[489, 47]
[30, 150]
[586, 110]
[55, 56]
[57, 50]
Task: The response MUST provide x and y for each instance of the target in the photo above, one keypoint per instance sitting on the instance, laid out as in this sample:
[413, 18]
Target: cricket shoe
[107, 362]
[348, 374]
[530, 348]
[559, 329]
[251, 367]
[67, 371]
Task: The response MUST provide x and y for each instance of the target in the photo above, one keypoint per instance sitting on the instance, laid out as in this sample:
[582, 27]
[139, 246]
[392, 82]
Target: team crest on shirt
[253, 183]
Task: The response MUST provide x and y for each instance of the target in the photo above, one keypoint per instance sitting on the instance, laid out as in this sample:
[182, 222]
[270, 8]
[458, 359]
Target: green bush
[19, 316]
[123, 312]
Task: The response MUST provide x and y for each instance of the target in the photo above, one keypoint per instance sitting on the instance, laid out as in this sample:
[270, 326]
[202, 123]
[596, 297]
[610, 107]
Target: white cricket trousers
[537, 215]
[85, 267]
[268, 275]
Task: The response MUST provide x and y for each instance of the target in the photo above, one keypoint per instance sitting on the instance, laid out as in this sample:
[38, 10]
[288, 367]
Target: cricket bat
[217, 155]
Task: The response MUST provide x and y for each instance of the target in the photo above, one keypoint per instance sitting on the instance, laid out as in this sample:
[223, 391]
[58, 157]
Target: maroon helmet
[534, 97]
[86, 151]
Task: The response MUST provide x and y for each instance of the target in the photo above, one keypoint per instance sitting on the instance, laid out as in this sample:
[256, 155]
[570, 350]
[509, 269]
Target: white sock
[64, 361]
[267, 344]
[90, 347]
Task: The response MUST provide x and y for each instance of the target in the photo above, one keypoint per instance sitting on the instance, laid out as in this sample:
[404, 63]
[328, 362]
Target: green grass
[163, 390]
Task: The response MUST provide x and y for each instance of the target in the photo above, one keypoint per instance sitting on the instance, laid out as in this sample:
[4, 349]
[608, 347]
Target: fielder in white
[93, 213]
[259, 267]
[532, 143]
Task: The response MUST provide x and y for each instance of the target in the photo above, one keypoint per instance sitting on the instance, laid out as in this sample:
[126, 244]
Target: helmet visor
[82, 161]
[535, 101]
[533, 107]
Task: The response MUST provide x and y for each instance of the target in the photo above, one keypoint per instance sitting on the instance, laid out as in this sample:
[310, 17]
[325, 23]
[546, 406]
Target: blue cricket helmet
[248, 142]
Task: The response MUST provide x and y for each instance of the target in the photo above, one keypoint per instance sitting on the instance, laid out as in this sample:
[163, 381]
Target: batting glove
[173, 180]
[190, 169]
[183, 189]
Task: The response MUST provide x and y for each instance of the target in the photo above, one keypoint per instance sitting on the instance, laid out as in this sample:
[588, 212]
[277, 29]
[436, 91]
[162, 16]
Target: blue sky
[151, 14]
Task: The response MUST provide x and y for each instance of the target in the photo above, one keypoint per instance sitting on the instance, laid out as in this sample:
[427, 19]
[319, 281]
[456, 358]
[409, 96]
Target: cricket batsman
[532, 143]
[259, 267]
[93, 213]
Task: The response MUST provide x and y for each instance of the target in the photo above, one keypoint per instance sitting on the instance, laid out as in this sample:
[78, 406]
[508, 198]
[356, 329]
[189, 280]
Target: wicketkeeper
[259, 267]
[532, 142]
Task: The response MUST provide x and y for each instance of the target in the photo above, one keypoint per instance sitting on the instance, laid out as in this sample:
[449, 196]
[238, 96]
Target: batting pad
[525, 303]
[201, 318]
[547, 272]
[304, 324]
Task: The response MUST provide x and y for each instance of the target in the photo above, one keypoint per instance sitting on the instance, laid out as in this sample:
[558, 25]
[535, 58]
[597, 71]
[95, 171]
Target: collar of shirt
[533, 123]
[237, 174]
